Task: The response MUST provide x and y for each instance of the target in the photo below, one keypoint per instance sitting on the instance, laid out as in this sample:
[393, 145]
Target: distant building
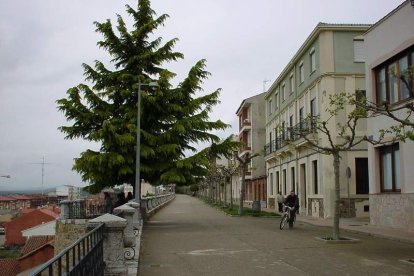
[15, 202]
[15, 227]
[69, 192]
[147, 188]
[252, 133]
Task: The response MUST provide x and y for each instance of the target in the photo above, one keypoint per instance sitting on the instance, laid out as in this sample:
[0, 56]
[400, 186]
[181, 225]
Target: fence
[151, 204]
[81, 209]
[84, 257]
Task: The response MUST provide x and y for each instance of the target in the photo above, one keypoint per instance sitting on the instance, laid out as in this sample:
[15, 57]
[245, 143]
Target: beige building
[389, 51]
[252, 131]
[328, 62]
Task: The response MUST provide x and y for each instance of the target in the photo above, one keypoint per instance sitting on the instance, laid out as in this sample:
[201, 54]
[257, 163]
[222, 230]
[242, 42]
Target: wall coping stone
[110, 221]
[125, 208]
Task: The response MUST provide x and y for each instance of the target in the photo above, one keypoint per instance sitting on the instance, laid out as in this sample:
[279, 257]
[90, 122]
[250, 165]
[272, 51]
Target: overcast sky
[43, 44]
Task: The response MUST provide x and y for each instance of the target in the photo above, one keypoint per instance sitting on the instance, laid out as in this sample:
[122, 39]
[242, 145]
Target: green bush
[9, 253]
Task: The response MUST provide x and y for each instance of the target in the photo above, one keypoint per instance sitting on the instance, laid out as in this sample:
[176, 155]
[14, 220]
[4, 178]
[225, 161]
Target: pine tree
[173, 119]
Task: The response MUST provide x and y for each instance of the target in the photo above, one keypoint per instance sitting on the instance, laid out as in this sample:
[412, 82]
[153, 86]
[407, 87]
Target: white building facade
[389, 51]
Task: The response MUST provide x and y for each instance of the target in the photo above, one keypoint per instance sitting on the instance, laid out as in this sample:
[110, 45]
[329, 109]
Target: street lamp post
[137, 156]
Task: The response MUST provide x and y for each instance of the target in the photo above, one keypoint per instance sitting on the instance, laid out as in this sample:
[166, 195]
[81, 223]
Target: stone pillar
[127, 212]
[113, 244]
[137, 215]
[64, 209]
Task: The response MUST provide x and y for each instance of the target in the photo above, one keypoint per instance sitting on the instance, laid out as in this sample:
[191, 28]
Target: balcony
[245, 125]
[294, 133]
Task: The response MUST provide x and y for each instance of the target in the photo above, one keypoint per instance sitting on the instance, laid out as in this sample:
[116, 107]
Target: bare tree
[341, 137]
[244, 162]
[229, 172]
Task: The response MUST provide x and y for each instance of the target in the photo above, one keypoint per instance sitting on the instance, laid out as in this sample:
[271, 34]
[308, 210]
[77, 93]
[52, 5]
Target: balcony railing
[294, 133]
[84, 257]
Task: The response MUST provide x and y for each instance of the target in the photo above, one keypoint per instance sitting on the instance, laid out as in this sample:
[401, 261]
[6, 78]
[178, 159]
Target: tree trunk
[225, 191]
[243, 187]
[231, 191]
[335, 229]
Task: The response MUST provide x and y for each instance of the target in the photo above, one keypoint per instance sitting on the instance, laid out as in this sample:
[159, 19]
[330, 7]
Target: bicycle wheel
[283, 221]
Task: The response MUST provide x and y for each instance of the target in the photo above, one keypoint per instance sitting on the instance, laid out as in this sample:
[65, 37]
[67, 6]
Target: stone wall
[271, 203]
[348, 207]
[67, 232]
[393, 210]
[315, 207]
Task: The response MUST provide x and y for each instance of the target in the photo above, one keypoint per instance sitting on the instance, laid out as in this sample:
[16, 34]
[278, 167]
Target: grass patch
[234, 211]
[6, 253]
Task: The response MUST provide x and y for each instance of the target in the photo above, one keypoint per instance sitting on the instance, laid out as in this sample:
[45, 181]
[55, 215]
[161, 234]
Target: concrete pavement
[190, 238]
[359, 225]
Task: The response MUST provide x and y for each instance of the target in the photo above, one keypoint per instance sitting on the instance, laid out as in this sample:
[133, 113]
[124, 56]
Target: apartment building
[390, 163]
[329, 61]
[252, 131]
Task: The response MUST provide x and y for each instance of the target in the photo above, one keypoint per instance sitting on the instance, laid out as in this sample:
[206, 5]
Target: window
[270, 141]
[393, 82]
[390, 168]
[271, 184]
[284, 181]
[279, 189]
[292, 84]
[312, 60]
[359, 55]
[292, 174]
[270, 107]
[283, 92]
[277, 101]
[301, 114]
[313, 107]
[301, 72]
[315, 176]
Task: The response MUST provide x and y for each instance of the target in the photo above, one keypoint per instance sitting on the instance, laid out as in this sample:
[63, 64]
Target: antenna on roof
[43, 163]
[264, 84]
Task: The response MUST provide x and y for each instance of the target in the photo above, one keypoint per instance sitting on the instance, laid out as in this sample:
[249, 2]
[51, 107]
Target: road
[188, 237]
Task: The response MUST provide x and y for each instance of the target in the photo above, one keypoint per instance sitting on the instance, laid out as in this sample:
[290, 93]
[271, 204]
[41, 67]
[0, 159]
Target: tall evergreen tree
[172, 118]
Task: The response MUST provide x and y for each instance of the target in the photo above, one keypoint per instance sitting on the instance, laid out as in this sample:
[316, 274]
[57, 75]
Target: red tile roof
[36, 242]
[26, 211]
[49, 212]
[21, 197]
[9, 267]
[6, 198]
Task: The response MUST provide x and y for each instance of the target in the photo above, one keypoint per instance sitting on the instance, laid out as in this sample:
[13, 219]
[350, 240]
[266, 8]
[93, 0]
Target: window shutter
[359, 53]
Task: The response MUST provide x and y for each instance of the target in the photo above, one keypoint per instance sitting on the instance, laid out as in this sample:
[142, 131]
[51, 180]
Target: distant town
[28, 221]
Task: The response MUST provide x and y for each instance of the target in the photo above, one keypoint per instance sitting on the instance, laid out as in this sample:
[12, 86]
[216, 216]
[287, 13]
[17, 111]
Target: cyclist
[292, 200]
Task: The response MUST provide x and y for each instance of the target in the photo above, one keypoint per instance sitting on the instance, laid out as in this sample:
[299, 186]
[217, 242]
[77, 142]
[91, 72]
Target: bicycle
[286, 216]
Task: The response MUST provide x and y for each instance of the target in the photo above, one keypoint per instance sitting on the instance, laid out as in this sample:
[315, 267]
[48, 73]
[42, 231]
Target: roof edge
[320, 27]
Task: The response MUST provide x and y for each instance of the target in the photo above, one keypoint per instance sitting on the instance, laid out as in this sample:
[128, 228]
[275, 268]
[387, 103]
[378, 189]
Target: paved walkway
[360, 225]
[188, 237]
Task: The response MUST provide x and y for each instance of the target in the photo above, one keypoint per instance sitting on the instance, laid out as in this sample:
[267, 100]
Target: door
[361, 175]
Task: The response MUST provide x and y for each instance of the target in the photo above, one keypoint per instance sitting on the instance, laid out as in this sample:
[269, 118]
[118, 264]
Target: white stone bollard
[137, 215]
[127, 213]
